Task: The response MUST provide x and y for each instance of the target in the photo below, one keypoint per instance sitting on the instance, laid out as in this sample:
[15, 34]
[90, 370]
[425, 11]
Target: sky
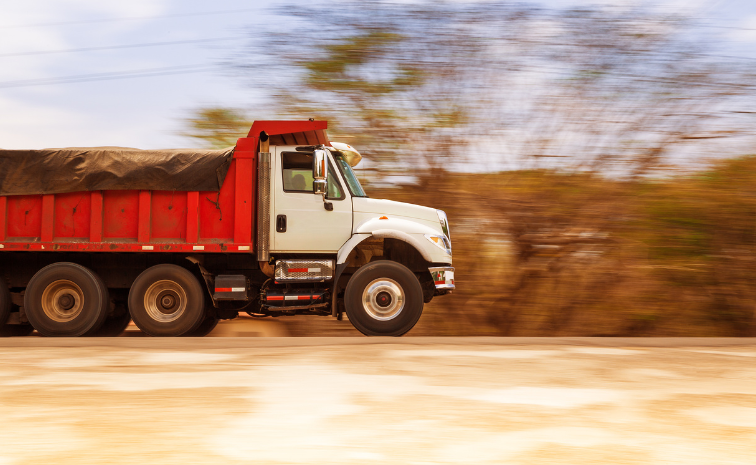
[63, 64]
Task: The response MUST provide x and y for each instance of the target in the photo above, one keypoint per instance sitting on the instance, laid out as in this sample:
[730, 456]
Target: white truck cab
[385, 259]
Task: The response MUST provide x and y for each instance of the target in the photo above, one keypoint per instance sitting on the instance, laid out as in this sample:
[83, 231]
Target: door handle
[281, 223]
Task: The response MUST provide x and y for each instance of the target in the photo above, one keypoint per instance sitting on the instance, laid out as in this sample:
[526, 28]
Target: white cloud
[28, 125]
[27, 27]
[49, 11]
[119, 8]
[680, 6]
[747, 33]
[23, 125]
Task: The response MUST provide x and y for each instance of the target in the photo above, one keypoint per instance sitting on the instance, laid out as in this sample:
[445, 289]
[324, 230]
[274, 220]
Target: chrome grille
[304, 270]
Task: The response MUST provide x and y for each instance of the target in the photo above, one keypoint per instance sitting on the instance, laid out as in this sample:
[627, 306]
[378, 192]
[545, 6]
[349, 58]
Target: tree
[218, 127]
[501, 86]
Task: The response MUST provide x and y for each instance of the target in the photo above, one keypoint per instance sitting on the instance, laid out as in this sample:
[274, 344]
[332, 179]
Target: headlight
[444, 223]
[440, 241]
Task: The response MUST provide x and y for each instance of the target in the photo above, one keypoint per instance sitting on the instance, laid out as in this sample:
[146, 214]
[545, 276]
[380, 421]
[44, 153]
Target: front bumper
[443, 277]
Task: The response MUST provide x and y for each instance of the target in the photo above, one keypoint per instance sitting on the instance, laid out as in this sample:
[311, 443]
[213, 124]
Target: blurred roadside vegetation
[217, 128]
[543, 253]
[564, 144]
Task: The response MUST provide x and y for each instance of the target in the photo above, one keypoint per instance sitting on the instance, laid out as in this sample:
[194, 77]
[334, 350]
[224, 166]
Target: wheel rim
[62, 300]
[383, 299]
[165, 301]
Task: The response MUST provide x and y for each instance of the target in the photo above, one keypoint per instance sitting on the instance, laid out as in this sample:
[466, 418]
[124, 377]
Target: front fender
[373, 224]
[348, 246]
[408, 231]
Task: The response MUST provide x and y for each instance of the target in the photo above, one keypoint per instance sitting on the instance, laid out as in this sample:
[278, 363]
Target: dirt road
[375, 401]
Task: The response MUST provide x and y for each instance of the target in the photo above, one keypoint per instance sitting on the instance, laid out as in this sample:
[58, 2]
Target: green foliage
[338, 68]
[390, 77]
[218, 127]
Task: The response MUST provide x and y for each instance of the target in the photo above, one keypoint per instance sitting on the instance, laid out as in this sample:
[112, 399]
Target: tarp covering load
[57, 171]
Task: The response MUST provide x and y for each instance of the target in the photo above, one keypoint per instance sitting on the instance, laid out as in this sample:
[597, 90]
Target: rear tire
[105, 311]
[6, 307]
[384, 298]
[65, 299]
[115, 325]
[16, 330]
[166, 300]
[5, 302]
[206, 327]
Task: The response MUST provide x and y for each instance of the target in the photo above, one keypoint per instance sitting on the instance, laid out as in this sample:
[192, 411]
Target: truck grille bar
[303, 270]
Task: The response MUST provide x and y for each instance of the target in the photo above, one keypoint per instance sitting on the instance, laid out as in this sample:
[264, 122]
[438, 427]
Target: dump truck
[176, 240]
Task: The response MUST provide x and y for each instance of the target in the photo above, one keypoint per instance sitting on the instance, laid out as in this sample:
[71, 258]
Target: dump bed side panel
[134, 220]
[216, 210]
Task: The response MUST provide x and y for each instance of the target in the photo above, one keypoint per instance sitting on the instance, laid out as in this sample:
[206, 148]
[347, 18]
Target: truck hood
[391, 208]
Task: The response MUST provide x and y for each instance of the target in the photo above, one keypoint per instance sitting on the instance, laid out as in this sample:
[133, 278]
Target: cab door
[300, 221]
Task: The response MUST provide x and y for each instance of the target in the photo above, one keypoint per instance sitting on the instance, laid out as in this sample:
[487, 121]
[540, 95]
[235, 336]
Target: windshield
[354, 185]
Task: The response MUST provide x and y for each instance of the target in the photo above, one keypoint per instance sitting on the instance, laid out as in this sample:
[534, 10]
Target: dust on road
[376, 401]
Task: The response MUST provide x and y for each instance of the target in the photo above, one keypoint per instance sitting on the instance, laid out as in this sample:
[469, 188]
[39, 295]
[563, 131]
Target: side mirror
[320, 172]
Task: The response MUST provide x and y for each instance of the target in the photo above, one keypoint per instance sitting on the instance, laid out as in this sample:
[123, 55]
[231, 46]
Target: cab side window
[297, 175]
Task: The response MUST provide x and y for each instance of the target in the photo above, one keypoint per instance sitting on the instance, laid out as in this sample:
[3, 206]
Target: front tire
[66, 299]
[384, 298]
[166, 300]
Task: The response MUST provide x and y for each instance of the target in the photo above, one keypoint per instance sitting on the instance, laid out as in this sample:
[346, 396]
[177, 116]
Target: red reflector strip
[298, 270]
[222, 289]
[293, 297]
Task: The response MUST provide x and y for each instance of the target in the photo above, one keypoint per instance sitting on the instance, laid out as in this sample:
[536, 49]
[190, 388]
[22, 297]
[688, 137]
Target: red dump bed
[153, 221]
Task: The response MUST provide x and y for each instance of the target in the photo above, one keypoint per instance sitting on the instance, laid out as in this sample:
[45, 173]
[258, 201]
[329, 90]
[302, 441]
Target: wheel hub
[62, 300]
[165, 301]
[383, 299]
[66, 301]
